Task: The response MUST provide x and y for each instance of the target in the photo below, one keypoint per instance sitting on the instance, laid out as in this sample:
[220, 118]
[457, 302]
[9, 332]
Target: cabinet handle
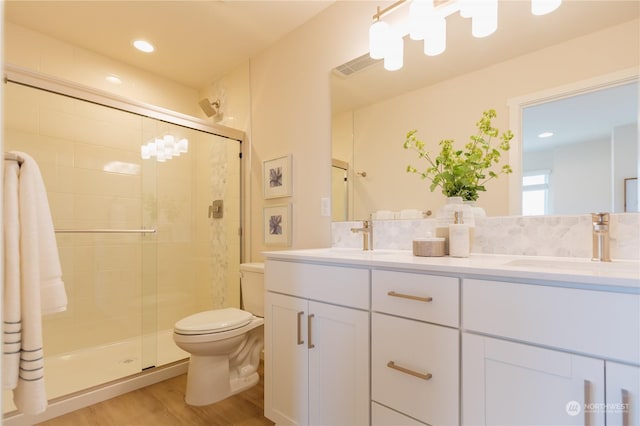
[626, 408]
[300, 341]
[422, 376]
[310, 345]
[409, 296]
[587, 401]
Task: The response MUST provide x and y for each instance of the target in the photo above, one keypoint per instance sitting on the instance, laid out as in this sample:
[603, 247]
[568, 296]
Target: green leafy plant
[464, 172]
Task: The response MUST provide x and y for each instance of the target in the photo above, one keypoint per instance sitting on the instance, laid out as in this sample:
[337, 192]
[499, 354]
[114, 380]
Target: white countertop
[618, 273]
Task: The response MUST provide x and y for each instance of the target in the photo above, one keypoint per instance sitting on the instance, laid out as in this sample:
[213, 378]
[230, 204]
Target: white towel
[11, 326]
[41, 286]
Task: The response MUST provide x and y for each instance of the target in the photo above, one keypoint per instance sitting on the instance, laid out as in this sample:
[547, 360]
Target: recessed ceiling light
[113, 79]
[545, 135]
[143, 46]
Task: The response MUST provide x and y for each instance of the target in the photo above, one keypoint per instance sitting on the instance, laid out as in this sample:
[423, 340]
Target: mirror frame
[518, 104]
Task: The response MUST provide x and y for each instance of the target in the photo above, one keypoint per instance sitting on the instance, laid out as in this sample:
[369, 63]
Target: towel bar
[12, 157]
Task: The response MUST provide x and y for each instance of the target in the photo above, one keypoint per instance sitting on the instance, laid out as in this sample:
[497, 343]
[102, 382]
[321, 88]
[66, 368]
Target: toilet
[225, 344]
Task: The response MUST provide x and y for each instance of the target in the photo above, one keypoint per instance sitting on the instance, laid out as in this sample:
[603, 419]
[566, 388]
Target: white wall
[291, 113]
[580, 179]
[577, 189]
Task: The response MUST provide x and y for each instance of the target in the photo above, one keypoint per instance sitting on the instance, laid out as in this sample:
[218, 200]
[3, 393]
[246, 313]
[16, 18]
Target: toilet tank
[252, 287]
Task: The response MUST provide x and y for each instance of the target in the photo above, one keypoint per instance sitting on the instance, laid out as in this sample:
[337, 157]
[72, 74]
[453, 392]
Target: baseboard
[67, 404]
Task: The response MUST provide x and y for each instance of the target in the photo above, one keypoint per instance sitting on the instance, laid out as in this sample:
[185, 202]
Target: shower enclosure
[147, 216]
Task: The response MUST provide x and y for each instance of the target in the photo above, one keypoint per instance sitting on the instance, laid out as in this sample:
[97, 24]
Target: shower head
[212, 109]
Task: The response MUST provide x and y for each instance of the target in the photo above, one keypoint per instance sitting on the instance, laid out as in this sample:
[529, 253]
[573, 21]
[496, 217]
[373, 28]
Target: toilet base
[243, 383]
[208, 380]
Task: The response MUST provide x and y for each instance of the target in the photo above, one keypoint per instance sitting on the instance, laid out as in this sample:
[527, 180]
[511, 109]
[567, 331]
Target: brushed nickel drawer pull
[626, 408]
[309, 318]
[422, 376]
[409, 296]
[300, 341]
[587, 401]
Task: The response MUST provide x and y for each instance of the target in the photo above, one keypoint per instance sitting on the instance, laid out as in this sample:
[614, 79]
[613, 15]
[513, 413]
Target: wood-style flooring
[162, 404]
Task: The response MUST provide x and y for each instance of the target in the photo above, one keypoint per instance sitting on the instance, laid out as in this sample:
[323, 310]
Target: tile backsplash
[563, 236]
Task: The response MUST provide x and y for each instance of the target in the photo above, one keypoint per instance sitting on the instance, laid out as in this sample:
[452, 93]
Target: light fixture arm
[381, 12]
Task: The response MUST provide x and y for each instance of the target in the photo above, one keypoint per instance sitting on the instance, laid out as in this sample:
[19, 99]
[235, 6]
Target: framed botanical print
[277, 225]
[276, 177]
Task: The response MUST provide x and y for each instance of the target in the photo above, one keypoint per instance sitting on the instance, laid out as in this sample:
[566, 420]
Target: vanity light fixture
[143, 46]
[542, 7]
[427, 22]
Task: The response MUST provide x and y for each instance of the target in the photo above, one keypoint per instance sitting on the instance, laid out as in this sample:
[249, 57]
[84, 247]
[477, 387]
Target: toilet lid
[214, 321]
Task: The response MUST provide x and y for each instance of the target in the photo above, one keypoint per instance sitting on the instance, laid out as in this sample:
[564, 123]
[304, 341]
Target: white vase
[476, 210]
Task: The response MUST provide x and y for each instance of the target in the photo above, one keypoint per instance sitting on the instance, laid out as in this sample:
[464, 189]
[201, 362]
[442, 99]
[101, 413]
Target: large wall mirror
[540, 73]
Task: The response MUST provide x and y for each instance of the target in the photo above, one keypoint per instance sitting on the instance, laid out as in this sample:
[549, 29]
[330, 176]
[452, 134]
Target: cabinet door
[286, 362]
[505, 383]
[338, 341]
[623, 394]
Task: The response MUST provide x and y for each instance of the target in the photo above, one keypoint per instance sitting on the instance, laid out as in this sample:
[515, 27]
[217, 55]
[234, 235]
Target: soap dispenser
[459, 236]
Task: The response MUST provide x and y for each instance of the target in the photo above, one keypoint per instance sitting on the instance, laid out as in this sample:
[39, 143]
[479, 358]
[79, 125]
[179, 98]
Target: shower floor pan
[76, 371]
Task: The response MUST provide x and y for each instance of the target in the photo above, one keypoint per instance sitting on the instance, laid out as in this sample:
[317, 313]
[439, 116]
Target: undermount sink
[627, 266]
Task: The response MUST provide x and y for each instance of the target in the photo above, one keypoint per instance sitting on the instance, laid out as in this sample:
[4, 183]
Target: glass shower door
[195, 207]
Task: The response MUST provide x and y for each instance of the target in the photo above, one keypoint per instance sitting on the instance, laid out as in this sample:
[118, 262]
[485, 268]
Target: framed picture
[631, 195]
[277, 225]
[276, 177]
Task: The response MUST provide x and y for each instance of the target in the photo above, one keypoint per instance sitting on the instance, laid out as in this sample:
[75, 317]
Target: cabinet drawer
[599, 323]
[424, 297]
[382, 416]
[421, 348]
[333, 284]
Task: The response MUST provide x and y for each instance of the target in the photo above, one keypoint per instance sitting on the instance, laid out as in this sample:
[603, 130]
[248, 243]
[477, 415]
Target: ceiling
[196, 42]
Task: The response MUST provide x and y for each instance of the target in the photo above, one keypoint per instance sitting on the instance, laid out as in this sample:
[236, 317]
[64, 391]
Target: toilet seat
[214, 321]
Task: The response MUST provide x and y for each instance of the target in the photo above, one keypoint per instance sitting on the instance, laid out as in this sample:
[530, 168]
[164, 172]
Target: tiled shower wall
[564, 236]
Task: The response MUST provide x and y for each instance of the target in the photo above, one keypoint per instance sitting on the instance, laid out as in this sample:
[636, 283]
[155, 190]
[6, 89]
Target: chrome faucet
[600, 234]
[367, 233]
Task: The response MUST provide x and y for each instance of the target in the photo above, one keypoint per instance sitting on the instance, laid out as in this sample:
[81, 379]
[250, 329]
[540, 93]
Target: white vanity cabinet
[385, 339]
[414, 349]
[316, 353]
[542, 355]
